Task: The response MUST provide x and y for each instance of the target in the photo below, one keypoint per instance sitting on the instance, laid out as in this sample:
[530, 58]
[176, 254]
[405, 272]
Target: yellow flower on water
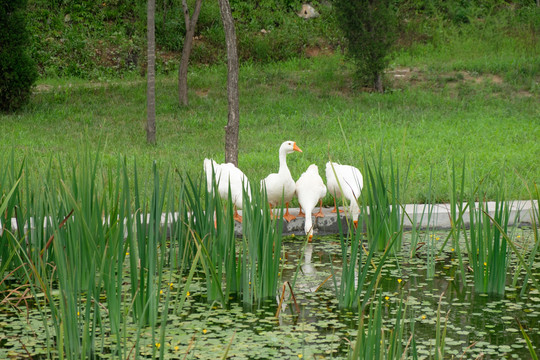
[485, 263]
[127, 253]
[78, 313]
[387, 298]
[204, 331]
[399, 281]
[171, 285]
[160, 292]
[437, 238]
[453, 249]
[176, 348]
[187, 294]
[300, 356]
[423, 317]
[158, 345]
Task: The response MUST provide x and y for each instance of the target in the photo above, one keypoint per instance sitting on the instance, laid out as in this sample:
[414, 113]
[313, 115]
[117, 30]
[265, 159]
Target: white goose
[310, 189]
[345, 180]
[281, 185]
[227, 175]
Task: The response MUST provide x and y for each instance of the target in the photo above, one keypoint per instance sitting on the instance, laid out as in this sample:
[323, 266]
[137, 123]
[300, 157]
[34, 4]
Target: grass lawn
[430, 118]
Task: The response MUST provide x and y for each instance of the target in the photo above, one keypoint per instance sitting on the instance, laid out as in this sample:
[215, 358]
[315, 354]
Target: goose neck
[283, 162]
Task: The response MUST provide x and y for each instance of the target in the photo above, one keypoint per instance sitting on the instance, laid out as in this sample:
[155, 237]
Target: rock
[308, 12]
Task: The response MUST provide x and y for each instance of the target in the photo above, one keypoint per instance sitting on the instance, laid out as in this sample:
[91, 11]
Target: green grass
[302, 100]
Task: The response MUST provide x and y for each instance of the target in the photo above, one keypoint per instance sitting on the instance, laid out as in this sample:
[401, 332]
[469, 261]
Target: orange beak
[310, 237]
[296, 148]
[355, 224]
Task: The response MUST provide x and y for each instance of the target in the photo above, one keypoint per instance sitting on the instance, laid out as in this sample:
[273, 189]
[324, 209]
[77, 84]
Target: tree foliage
[370, 28]
[17, 70]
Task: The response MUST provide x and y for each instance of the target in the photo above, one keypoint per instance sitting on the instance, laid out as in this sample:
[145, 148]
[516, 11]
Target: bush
[370, 29]
[17, 70]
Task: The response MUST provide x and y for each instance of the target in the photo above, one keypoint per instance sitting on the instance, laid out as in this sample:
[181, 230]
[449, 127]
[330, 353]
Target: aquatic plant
[72, 240]
[381, 204]
[10, 207]
[440, 332]
[488, 251]
[533, 250]
[206, 218]
[374, 340]
[261, 247]
[356, 278]
[528, 341]
[250, 269]
[457, 208]
[424, 238]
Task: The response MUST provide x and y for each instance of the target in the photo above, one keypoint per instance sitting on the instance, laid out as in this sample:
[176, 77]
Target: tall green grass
[535, 224]
[357, 278]
[76, 237]
[374, 339]
[249, 268]
[458, 206]
[262, 249]
[381, 204]
[489, 253]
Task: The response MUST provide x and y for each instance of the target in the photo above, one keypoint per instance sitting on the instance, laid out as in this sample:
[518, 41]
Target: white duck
[227, 175]
[281, 185]
[345, 180]
[310, 189]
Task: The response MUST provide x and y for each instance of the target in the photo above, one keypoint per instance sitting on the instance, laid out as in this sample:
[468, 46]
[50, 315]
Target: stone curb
[520, 215]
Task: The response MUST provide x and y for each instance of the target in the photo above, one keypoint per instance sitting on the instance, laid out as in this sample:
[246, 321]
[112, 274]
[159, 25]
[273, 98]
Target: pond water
[477, 325]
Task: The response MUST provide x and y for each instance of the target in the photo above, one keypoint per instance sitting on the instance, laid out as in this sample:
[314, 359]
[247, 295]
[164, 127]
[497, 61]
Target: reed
[533, 250]
[261, 248]
[440, 332]
[457, 208]
[11, 182]
[355, 272]
[381, 204]
[250, 269]
[488, 254]
[424, 238]
[530, 346]
[210, 232]
[374, 340]
[79, 232]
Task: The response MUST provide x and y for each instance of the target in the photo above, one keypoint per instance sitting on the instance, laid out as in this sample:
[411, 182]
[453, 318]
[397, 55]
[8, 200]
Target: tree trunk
[151, 74]
[379, 83]
[186, 50]
[233, 124]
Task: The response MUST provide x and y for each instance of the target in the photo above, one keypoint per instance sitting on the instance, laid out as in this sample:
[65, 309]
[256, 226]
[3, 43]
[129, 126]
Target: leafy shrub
[370, 30]
[17, 70]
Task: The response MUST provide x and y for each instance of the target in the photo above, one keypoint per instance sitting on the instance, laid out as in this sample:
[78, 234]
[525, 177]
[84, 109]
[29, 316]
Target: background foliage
[93, 39]
[17, 69]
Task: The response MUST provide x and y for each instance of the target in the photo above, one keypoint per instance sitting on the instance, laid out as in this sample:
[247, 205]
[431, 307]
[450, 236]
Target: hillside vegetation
[103, 39]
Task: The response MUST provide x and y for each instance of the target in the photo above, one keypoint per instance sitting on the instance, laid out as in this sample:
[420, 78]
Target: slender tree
[233, 124]
[186, 50]
[370, 29]
[151, 74]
